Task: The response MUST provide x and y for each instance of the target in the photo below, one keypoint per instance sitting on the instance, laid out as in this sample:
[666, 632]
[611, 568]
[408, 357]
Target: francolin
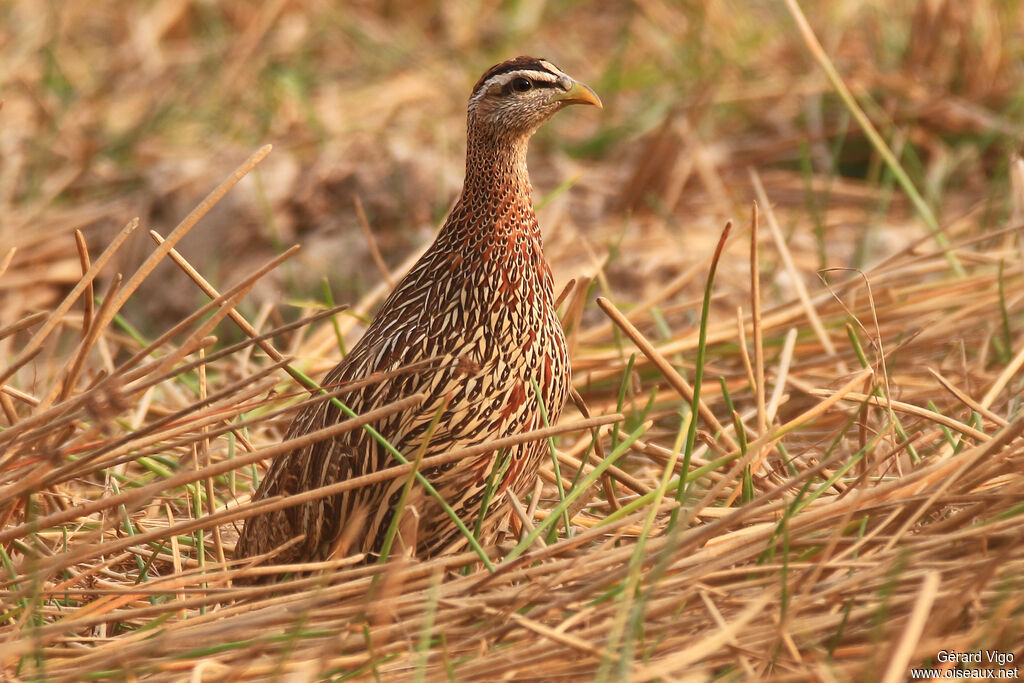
[479, 306]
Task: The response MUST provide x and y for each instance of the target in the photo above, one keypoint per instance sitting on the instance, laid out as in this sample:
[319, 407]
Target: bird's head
[518, 95]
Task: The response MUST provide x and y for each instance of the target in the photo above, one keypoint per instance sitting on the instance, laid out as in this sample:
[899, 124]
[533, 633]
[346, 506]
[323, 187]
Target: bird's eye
[521, 84]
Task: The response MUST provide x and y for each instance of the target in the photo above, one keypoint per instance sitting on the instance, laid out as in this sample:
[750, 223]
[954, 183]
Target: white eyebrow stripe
[552, 68]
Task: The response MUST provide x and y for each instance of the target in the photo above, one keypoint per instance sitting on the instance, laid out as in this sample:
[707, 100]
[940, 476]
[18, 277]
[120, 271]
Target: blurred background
[119, 109]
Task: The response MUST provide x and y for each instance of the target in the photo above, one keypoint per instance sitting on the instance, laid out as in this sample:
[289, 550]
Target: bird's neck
[497, 186]
[491, 235]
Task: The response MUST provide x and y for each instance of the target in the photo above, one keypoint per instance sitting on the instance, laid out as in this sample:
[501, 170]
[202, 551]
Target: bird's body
[479, 304]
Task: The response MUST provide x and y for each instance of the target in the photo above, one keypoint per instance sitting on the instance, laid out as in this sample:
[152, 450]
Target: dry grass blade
[213, 470]
[905, 648]
[787, 259]
[187, 224]
[84, 284]
[671, 374]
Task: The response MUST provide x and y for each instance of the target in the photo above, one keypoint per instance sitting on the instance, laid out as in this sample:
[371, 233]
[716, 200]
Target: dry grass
[852, 495]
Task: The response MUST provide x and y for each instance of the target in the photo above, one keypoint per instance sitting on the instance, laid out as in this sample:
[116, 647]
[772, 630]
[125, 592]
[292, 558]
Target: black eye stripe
[510, 88]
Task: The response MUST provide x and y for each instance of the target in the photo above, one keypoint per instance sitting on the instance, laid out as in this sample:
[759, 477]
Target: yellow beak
[580, 94]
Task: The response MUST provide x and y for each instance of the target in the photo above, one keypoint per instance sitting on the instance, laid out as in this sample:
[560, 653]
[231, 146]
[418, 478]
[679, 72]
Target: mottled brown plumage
[480, 302]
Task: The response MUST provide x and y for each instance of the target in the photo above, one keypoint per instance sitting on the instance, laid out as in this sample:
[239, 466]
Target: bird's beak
[580, 94]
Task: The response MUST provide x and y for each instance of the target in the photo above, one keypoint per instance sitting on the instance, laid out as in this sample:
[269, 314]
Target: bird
[475, 325]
